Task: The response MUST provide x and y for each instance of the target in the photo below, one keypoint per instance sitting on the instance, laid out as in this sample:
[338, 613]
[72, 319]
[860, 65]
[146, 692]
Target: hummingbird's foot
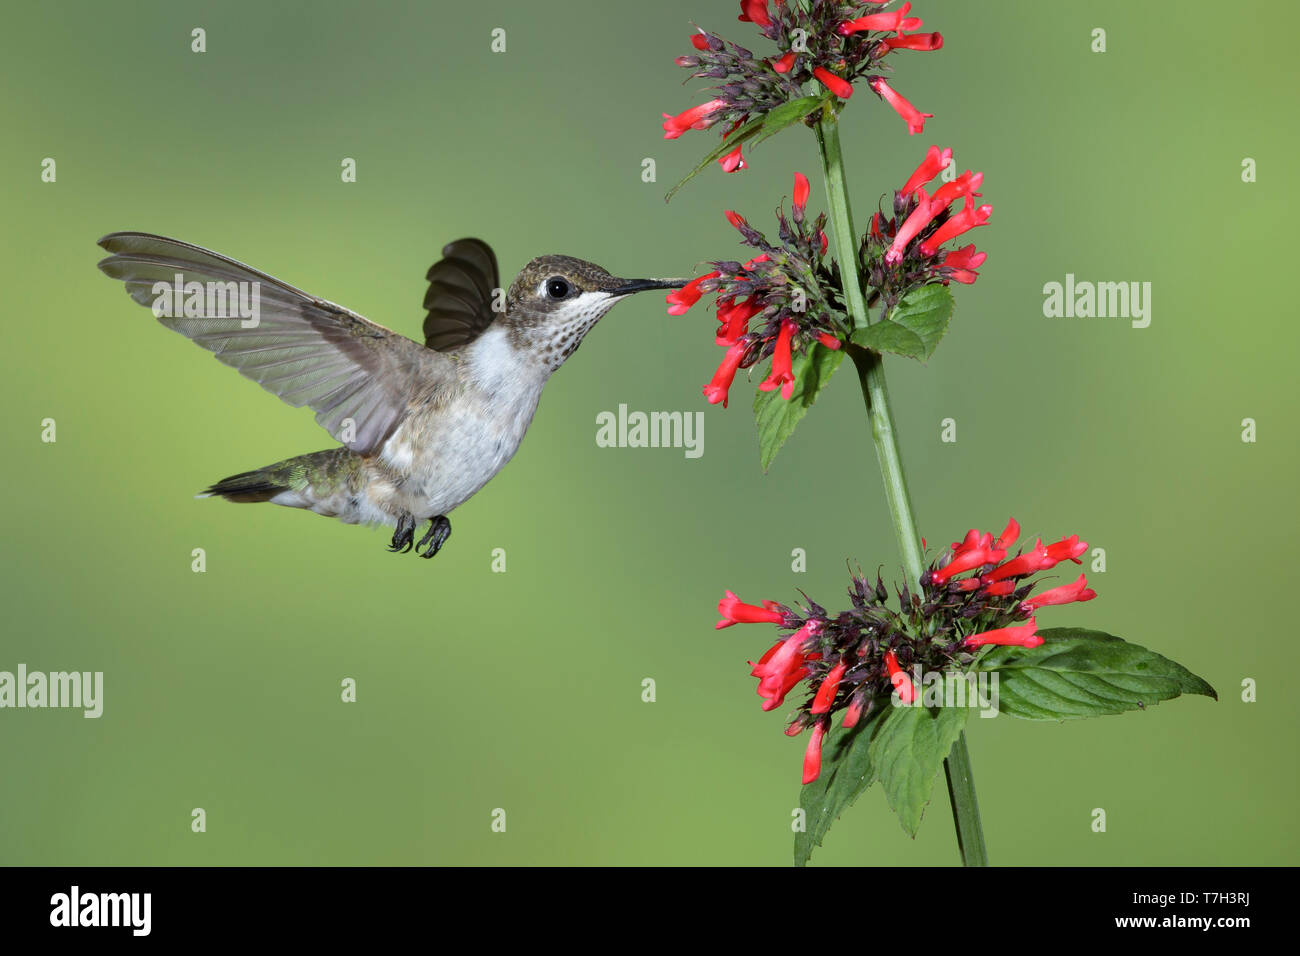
[439, 531]
[404, 536]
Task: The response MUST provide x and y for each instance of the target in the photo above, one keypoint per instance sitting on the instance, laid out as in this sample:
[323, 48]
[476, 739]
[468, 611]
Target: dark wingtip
[450, 248]
[114, 238]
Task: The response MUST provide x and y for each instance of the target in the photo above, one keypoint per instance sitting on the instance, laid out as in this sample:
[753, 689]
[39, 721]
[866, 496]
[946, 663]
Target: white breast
[473, 437]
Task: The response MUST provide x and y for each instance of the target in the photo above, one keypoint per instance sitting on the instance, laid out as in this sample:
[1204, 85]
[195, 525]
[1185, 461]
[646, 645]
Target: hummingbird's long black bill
[645, 285]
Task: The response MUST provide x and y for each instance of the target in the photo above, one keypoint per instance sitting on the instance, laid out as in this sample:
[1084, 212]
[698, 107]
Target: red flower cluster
[781, 302]
[857, 660]
[820, 41]
[847, 661]
[904, 251]
[998, 578]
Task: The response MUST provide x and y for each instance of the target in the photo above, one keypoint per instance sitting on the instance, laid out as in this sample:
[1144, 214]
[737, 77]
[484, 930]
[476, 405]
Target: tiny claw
[404, 535]
[439, 531]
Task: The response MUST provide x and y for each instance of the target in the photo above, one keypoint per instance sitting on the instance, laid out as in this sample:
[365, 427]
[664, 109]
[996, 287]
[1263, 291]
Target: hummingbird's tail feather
[246, 487]
[329, 482]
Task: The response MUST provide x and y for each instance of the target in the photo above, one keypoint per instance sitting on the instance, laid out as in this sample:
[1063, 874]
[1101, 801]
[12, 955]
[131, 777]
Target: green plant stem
[875, 392]
[841, 218]
[965, 808]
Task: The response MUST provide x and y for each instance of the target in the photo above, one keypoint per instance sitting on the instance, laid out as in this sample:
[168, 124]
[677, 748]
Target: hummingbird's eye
[557, 288]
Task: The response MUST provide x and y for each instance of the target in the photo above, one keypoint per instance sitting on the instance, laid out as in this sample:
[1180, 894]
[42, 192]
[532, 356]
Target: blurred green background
[481, 690]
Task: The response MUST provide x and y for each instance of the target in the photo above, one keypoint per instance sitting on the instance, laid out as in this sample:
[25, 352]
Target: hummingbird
[421, 427]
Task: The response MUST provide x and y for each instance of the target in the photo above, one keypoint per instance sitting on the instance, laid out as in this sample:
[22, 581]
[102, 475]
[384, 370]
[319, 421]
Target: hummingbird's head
[555, 300]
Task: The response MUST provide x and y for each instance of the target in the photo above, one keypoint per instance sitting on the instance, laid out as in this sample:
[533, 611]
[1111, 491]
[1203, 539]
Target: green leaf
[915, 326]
[759, 128]
[846, 773]
[907, 751]
[776, 417]
[886, 336]
[1080, 673]
[902, 747]
[787, 114]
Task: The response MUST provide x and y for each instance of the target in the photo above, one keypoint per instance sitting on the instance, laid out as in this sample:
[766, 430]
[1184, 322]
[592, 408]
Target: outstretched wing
[461, 288]
[356, 375]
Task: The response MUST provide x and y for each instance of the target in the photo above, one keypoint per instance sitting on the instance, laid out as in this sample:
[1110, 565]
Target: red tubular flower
[732, 161]
[1000, 588]
[716, 390]
[915, 118]
[812, 758]
[1022, 635]
[836, 84]
[973, 539]
[754, 11]
[1041, 558]
[778, 670]
[1032, 561]
[792, 677]
[680, 300]
[1012, 531]
[854, 712]
[967, 219]
[1065, 594]
[967, 184]
[736, 219]
[697, 117]
[921, 217]
[934, 163]
[736, 611]
[782, 376]
[828, 340]
[699, 41]
[967, 560]
[964, 262]
[826, 693]
[801, 189]
[735, 317]
[1067, 549]
[913, 41]
[786, 63]
[898, 677]
[881, 22]
[783, 666]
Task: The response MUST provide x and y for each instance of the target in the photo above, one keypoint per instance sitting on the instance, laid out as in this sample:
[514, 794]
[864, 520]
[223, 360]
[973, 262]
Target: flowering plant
[967, 617]
[822, 45]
